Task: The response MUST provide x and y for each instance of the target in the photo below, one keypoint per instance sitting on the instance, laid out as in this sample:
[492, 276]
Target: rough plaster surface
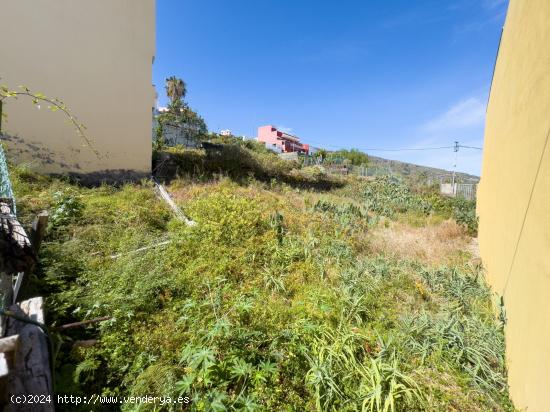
[514, 198]
[97, 57]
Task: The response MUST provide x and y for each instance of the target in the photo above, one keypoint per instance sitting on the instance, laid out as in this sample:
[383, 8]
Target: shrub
[242, 164]
[66, 209]
[464, 212]
[268, 303]
[388, 196]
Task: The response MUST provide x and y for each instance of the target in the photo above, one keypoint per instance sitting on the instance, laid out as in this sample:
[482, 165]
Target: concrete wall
[174, 135]
[514, 198]
[95, 55]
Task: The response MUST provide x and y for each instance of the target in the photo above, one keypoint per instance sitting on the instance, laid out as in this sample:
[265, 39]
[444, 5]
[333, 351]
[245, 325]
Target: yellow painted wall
[95, 55]
[514, 198]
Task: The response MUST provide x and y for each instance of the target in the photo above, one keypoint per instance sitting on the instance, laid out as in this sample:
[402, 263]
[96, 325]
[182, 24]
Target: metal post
[454, 168]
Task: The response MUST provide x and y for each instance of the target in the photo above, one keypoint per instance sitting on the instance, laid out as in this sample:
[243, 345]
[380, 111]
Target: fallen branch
[141, 249]
[84, 343]
[81, 323]
[164, 195]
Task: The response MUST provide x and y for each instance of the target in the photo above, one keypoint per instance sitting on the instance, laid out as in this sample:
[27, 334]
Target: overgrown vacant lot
[285, 295]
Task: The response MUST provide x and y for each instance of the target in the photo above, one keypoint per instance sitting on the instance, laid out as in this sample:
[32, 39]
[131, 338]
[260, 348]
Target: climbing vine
[53, 104]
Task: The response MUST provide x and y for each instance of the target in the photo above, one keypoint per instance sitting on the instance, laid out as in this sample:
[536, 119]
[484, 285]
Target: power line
[421, 148]
[408, 149]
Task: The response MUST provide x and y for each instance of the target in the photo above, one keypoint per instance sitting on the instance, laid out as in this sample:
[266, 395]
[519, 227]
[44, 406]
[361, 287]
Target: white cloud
[463, 122]
[464, 114]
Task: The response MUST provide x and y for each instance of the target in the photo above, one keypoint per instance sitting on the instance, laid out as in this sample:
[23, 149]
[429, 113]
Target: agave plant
[388, 389]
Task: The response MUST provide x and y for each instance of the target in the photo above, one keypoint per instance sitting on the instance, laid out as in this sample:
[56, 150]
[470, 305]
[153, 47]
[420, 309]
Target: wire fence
[466, 190]
[6, 190]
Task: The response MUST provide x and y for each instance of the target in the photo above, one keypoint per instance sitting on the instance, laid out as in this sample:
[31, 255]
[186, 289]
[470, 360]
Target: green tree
[179, 114]
[176, 89]
[354, 156]
[322, 153]
[193, 120]
[357, 157]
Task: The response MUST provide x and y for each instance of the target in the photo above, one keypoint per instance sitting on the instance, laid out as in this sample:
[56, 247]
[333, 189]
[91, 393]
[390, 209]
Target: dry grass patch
[443, 243]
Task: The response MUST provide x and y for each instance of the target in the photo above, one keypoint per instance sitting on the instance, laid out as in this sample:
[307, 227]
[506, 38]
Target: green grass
[270, 302]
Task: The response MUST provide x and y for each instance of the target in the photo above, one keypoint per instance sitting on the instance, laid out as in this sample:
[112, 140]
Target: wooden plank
[4, 366]
[7, 348]
[6, 298]
[11, 225]
[17, 286]
[38, 230]
[16, 253]
[31, 373]
[9, 343]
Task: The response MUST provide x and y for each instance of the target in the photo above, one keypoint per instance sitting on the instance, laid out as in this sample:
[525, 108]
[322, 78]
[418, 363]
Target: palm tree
[176, 91]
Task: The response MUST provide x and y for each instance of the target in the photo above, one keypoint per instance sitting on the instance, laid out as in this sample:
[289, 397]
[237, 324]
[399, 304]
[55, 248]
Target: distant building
[225, 132]
[281, 142]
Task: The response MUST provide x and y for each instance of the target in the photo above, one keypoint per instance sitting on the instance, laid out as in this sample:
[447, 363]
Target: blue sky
[364, 74]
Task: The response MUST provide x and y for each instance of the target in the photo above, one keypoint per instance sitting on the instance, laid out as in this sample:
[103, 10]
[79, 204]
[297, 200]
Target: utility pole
[457, 146]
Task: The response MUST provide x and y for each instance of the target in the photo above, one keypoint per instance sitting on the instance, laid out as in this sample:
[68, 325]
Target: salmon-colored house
[280, 141]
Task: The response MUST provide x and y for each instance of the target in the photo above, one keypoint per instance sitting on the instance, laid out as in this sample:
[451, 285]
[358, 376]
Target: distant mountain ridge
[381, 166]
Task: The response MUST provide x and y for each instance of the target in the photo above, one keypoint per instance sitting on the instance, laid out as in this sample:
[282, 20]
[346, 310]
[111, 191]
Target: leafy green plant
[353, 156]
[251, 311]
[179, 115]
[242, 164]
[388, 196]
[66, 209]
[388, 389]
[464, 212]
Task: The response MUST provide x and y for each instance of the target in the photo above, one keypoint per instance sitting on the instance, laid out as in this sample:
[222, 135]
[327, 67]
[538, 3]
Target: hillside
[294, 290]
[381, 166]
